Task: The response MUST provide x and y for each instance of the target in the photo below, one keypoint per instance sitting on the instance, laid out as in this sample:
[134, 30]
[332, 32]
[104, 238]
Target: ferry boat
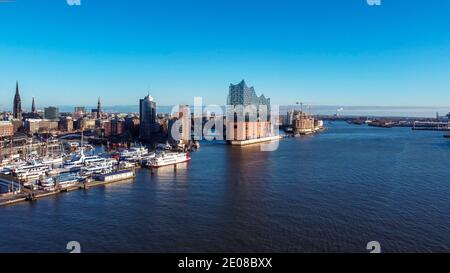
[134, 154]
[33, 171]
[170, 158]
[69, 181]
[145, 159]
[53, 160]
[72, 145]
[64, 180]
[103, 167]
[48, 184]
[81, 160]
[163, 147]
[6, 170]
[126, 165]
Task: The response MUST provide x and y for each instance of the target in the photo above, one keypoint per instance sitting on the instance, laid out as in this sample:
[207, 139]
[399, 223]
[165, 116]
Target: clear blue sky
[329, 52]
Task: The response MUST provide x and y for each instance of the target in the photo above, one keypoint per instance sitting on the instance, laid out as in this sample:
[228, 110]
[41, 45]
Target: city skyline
[412, 111]
[177, 51]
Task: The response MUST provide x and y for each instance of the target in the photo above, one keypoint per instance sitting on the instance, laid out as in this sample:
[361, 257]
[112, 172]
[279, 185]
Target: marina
[39, 178]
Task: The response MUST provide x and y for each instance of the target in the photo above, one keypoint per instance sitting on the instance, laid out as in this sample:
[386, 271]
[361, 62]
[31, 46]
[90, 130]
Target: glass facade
[241, 94]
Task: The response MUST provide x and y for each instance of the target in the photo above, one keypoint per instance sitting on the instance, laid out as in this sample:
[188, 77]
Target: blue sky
[326, 52]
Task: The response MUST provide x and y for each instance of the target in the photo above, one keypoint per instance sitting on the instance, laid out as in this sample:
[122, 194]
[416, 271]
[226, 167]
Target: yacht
[7, 170]
[67, 180]
[79, 160]
[53, 160]
[103, 167]
[134, 154]
[168, 158]
[163, 147]
[32, 171]
[48, 184]
[126, 165]
[147, 158]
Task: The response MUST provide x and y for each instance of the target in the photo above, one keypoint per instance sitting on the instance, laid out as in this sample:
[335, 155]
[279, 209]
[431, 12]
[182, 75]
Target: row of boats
[157, 159]
[65, 171]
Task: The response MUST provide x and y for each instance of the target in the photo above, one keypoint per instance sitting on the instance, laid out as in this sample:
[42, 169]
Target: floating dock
[32, 195]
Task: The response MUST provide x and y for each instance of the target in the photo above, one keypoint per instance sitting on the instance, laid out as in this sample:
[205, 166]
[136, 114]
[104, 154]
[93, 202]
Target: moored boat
[168, 158]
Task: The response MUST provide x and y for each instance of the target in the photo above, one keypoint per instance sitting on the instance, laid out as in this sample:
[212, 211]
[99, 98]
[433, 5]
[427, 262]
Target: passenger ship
[170, 158]
[64, 181]
[134, 154]
[101, 167]
[81, 160]
[32, 171]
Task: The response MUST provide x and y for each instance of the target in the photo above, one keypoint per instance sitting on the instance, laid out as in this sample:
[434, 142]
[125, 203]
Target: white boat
[6, 170]
[103, 167]
[53, 160]
[9, 168]
[67, 180]
[126, 165]
[163, 147]
[147, 158]
[48, 184]
[79, 160]
[72, 145]
[134, 153]
[32, 171]
[170, 158]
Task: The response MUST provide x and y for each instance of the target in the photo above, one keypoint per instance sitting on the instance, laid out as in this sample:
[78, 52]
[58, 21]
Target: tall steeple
[17, 104]
[99, 108]
[33, 107]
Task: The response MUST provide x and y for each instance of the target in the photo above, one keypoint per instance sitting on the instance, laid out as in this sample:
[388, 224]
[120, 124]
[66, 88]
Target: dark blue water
[331, 192]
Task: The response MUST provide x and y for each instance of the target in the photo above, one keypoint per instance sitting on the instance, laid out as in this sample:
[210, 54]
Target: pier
[32, 195]
[10, 183]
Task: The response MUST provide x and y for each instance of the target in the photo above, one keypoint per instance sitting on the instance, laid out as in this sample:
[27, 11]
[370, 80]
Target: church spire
[17, 104]
[33, 107]
[99, 108]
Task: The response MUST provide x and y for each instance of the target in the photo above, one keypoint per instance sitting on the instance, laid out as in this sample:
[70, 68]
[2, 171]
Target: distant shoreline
[348, 111]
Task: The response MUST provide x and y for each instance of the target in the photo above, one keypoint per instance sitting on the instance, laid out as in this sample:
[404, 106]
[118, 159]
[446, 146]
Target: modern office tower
[51, 113]
[147, 115]
[80, 110]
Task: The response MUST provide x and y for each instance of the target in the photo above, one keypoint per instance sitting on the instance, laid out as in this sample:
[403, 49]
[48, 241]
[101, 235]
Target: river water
[331, 192]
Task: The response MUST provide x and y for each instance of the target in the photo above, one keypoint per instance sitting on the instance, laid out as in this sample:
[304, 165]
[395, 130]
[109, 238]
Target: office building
[51, 113]
[149, 128]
